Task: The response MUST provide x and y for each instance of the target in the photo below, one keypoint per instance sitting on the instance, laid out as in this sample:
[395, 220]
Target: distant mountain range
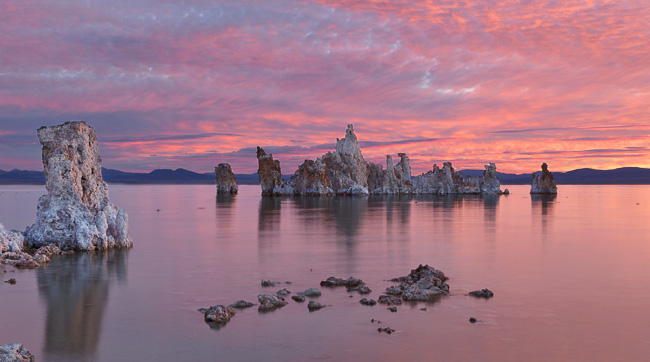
[583, 176]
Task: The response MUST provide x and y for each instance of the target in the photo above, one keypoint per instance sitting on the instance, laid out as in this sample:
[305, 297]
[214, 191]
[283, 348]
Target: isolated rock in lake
[269, 283]
[11, 240]
[423, 284]
[270, 176]
[226, 180]
[483, 293]
[283, 292]
[269, 302]
[311, 292]
[76, 212]
[15, 352]
[543, 183]
[241, 304]
[219, 314]
[365, 301]
[313, 305]
[362, 289]
[298, 298]
[446, 181]
[350, 282]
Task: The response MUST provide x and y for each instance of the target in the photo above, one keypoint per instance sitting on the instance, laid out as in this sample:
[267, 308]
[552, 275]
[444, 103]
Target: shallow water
[570, 277]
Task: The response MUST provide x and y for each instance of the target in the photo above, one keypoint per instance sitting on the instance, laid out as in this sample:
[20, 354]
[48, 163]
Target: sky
[190, 84]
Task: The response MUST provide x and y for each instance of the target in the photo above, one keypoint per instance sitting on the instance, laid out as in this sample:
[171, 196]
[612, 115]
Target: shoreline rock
[483, 293]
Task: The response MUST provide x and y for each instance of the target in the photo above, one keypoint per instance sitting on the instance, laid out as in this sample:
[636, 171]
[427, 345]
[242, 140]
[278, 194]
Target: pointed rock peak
[544, 167]
[349, 145]
[260, 152]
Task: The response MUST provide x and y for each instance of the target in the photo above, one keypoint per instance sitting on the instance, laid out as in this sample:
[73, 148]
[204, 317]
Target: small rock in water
[288, 282]
[389, 299]
[350, 282]
[11, 281]
[283, 292]
[483, 293]
[387, 330]
[15, 352]
[392, 309]
[473, 320]
[362, 289]
[269, 302]
[219, 314]
[298, 298]
[311, 292]
[268, 283]
[241, 304]
[365, 301]
[423, 309]
[313, 305]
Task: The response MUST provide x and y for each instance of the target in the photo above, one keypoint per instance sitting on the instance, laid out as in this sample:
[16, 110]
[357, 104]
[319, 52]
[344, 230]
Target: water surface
[569, 275]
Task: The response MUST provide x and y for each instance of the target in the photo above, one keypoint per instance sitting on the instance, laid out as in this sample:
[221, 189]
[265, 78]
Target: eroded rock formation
[226, 180]
[76, 212]
[15, 352]
[423, 284]
[543, 183]
[11, 241]
[345, 172]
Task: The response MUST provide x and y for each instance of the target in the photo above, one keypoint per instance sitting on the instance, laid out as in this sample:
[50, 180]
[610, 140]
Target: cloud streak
[197, 82]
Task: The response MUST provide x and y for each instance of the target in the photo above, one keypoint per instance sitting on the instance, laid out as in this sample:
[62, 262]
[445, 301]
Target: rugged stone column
[543, 183]
[226, 180]
[76, 212]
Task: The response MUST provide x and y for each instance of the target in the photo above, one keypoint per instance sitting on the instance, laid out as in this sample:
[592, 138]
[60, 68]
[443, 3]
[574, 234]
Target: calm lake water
[570, 277]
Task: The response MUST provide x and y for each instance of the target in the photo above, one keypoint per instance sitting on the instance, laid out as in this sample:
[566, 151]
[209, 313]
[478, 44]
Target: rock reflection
[543, 206]
[75, 289]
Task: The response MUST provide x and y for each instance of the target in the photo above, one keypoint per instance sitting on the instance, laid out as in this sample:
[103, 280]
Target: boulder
[422, 284]
[15, 352]
[269, 283]
[270, 302]
[311, 292]
[350, 282]
[313, 305]
[311, 179]
[543, 183]
[226, 180]
[219, 314]
[365, 301]
[298, 298]
[241, 304]
[76, 212]
[483, 293]
[283, 292]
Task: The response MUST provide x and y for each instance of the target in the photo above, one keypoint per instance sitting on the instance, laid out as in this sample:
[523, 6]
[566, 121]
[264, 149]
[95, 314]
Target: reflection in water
[543, 205]
[225, 211]
[75, 288]
[225, 200]
[269, 219]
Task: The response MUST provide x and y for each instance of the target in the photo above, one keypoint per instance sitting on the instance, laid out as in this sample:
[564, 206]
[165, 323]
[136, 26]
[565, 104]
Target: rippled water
[570, 277]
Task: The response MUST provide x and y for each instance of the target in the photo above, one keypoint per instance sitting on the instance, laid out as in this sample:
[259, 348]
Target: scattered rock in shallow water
[268, 283]
[362, 289]
[473, 320]
[270, 302]
[15, 352]
[48, 250]
[19, 259]
[298, 298]
[392, 309]
[288, 282]
[219, 314]
[423, 284]
[283, 292]
[387, 330]
[365, 301]
[313, 305]
[350, 282]
[11, 281]
[483, 293]
[311, 292]
[241, 304]
[389, 299]
[423, 309]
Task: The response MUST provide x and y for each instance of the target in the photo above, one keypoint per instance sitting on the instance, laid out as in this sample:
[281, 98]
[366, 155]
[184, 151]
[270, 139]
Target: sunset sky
[190, 84]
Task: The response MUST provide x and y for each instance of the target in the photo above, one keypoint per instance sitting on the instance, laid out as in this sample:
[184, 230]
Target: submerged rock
[311, 292]
[19, 259]
[298, 298]
[423, 284]
[11, 281]
[270, 302]
[543, 183]
[483, 293]
[283, 292]
[387, 330]
[76, 212]
[362, 289]
[226, 180]
[15, 352]
[365, 301]
[268, 283]
[241, 304]
[219, 314]
[313, 305]
[350, 282]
